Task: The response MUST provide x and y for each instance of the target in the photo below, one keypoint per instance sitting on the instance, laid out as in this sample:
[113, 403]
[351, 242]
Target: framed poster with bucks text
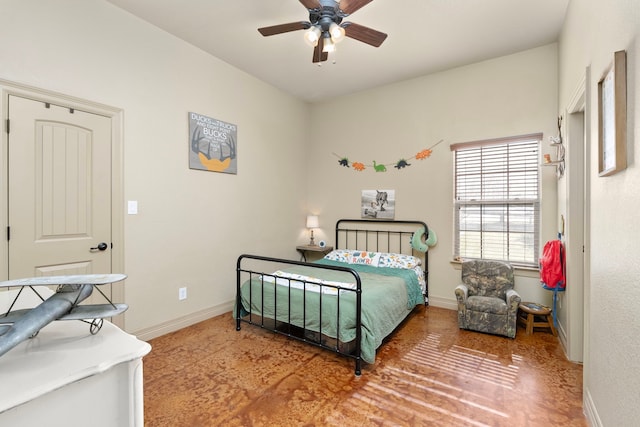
[612, 117]
[213, 144]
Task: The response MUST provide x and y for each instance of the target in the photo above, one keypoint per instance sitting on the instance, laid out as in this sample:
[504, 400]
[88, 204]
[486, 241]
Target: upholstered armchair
[487, 301]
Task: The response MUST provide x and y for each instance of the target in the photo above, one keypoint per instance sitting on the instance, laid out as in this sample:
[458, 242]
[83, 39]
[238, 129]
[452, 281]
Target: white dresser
[67, 377]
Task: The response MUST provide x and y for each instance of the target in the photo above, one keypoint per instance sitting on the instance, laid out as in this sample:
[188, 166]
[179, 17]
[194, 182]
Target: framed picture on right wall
[612, 117]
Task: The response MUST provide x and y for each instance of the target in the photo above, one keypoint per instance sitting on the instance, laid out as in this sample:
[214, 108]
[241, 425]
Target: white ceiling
[424, 36]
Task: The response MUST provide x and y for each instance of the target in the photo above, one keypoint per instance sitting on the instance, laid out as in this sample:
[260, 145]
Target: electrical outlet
[182, 294]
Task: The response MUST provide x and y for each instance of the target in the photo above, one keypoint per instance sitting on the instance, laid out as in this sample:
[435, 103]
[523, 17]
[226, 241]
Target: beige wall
[192, 225]
[512, 95]
[593, 31]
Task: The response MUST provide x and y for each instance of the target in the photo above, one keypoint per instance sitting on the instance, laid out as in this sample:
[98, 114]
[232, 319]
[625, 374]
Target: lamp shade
[337, 32]
[312, 221]
[329, 45]
[312, 35]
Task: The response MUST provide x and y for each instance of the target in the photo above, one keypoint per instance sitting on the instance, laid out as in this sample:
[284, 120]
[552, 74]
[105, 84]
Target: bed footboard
[300, 307]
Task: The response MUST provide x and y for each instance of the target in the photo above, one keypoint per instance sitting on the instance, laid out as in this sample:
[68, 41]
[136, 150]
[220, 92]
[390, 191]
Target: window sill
[519, 270]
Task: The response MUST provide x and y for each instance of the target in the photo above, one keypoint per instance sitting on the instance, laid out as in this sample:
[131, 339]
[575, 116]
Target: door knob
[101, 247]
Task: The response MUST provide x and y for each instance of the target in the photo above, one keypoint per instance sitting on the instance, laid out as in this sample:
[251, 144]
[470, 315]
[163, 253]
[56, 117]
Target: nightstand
[313, 249]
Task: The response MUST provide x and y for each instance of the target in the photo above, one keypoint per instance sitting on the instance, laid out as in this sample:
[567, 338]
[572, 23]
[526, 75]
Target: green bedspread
[388, 296]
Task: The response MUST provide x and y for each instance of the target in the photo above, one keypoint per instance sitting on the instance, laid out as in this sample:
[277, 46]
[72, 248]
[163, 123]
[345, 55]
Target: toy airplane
[19, 325]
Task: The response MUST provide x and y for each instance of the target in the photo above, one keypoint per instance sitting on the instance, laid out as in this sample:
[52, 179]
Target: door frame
[8, 88]
[578, 210]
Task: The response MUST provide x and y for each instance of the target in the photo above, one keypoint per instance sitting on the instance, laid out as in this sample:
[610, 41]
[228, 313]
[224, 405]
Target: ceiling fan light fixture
[325, 27]
[312, 35]
[328, 46]
[337, 32]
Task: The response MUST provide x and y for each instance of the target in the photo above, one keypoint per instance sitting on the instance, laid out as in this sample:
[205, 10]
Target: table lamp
[312, 222]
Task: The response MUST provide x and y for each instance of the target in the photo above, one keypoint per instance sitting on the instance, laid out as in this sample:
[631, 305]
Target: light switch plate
[132, 207]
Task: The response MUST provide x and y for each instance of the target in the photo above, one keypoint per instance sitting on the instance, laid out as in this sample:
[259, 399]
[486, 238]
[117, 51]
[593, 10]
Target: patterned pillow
[340, 255]
[393, 260]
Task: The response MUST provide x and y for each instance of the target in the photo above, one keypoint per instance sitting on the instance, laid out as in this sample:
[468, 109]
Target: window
[497, 199]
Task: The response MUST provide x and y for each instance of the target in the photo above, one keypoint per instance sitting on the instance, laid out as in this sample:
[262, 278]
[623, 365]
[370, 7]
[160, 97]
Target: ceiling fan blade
[350, 6]
[284, 28]
[318, 54]
[364, 34]
[311, 4]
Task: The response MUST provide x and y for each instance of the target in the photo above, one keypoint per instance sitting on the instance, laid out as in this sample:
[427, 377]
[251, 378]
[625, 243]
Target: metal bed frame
[357, 234]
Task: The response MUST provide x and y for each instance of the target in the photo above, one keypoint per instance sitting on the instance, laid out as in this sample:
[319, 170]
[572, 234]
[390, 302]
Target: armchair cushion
[487, 304]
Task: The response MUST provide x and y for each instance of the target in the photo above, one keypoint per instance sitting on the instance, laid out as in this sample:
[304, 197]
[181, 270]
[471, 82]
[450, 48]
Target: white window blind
[497, 199]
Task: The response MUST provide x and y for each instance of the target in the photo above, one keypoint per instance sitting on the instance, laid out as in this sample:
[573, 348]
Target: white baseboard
[448, 303]
[182, 322]
[562, 337]
[590, 410]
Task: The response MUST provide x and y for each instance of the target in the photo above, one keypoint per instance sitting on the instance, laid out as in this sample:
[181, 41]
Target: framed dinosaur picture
[212, 144]
[378, 204]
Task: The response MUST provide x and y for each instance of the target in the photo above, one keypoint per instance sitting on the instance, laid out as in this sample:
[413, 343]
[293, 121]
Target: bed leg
[358, 365]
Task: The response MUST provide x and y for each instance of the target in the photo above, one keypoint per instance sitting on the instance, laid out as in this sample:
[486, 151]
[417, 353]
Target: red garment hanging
[552, 273]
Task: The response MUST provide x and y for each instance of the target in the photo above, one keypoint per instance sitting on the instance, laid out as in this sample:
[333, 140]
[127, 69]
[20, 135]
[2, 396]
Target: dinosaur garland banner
[382, 167]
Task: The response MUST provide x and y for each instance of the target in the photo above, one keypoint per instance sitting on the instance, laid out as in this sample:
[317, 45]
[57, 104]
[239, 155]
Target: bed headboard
[378, 235]
[381, 236]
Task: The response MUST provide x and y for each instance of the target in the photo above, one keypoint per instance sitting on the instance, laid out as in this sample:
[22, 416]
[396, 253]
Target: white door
[59, 190]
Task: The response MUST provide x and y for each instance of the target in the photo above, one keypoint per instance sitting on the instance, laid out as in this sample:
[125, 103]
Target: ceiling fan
[325, 27]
